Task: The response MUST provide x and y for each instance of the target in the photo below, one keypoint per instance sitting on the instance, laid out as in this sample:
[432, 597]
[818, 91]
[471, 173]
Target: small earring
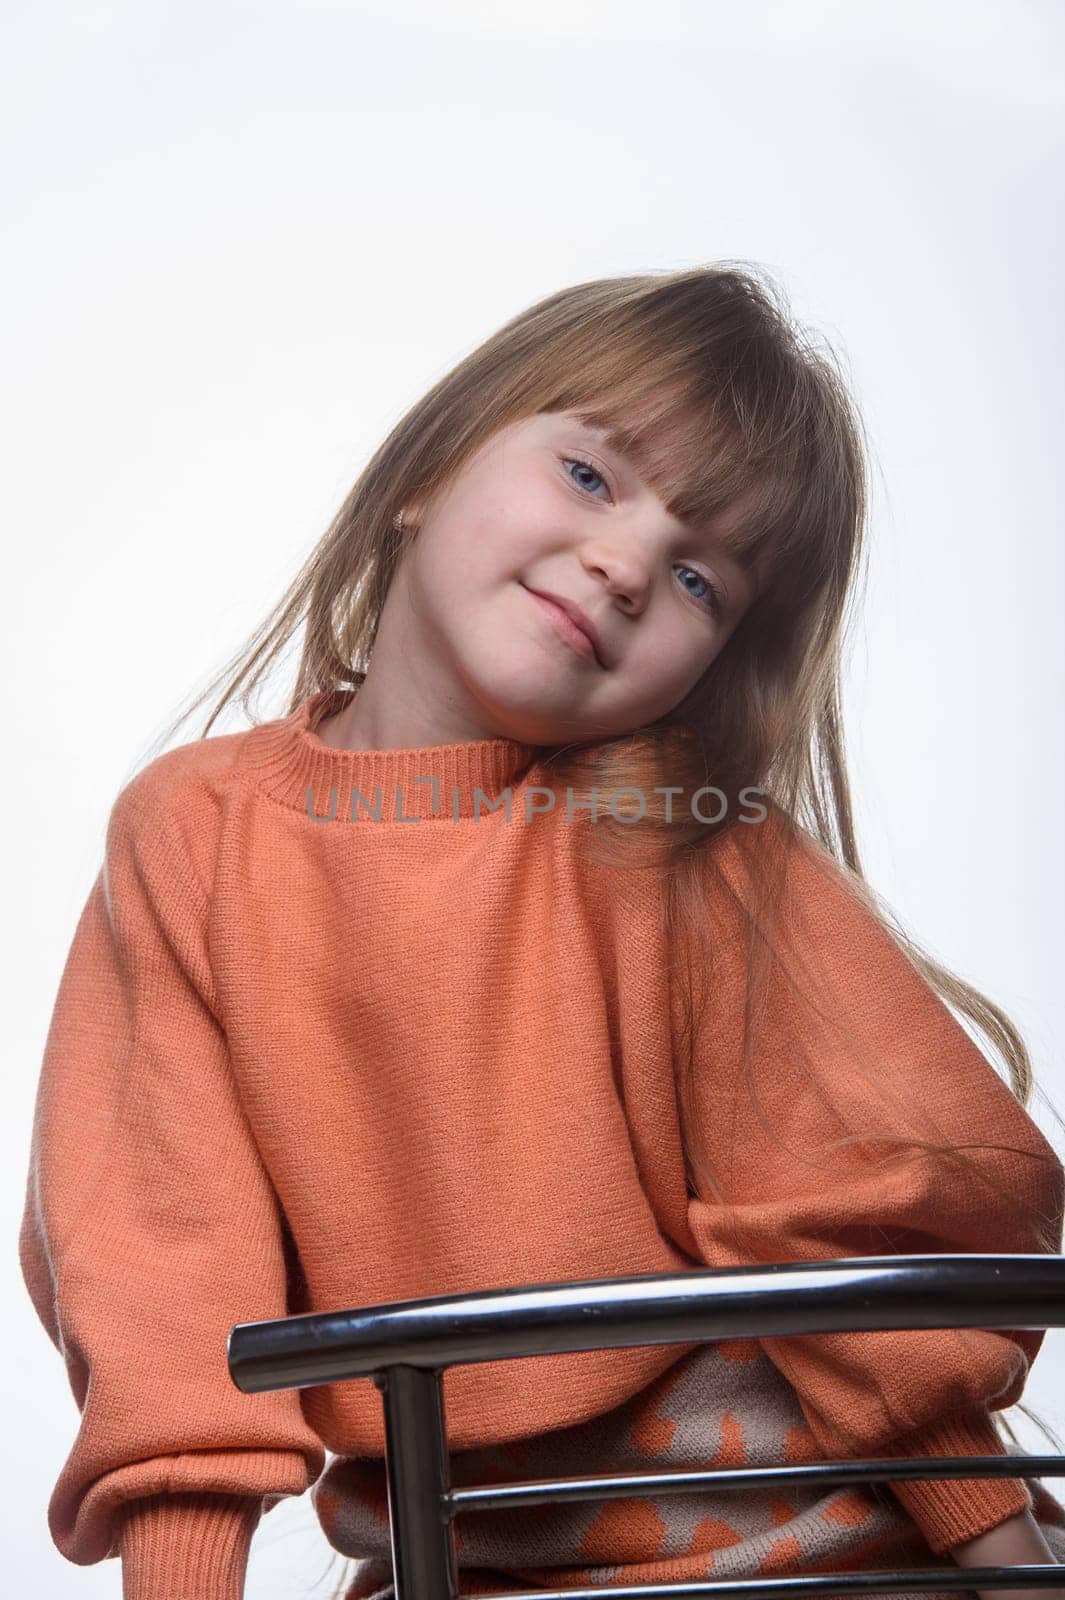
[397, 522]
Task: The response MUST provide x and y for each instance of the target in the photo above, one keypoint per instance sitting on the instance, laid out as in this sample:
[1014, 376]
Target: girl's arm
[151, 1227]
[847, 988]
[1017, 1540]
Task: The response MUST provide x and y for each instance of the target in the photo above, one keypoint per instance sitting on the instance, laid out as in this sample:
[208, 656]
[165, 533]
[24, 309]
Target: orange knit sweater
[299, 1062]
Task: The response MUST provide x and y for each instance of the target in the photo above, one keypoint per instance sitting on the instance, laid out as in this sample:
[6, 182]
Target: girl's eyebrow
[595, 432]
[601, 438]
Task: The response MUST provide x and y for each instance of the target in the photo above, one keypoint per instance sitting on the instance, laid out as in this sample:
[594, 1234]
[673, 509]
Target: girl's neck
[313, 774]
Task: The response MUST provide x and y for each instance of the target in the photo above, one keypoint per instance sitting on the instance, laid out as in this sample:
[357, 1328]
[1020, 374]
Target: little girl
[531, 945]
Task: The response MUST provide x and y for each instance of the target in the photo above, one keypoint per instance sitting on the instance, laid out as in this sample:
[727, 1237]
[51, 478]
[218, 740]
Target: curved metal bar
[861, 1293]
[694, 1480]
[405, 1347]
[833, 1583]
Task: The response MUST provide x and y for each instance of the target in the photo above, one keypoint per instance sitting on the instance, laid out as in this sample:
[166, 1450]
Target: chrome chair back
[405, 1348]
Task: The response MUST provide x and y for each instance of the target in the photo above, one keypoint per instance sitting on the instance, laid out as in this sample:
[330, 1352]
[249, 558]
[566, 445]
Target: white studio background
[238, 240]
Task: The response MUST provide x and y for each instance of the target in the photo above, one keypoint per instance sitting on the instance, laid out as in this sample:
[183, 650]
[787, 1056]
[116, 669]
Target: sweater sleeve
[150, 1228]
[882, 1393]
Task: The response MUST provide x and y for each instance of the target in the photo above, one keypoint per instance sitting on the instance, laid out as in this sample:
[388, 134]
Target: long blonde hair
[741, 419]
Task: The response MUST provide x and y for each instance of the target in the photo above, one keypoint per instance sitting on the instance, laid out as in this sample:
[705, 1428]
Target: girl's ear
[411, 514]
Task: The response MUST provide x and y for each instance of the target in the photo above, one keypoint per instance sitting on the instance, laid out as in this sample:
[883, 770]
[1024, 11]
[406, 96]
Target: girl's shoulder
[177, 800]
[775, 875]
[779, 842]
[753, 849]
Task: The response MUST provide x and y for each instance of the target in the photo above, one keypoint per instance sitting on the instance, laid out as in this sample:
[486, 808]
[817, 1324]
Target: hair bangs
[688, 443]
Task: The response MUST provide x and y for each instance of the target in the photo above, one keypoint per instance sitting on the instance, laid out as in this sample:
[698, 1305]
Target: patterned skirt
[726, 1393]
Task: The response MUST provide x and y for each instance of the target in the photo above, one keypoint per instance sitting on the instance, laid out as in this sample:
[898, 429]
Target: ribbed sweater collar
[295, 766]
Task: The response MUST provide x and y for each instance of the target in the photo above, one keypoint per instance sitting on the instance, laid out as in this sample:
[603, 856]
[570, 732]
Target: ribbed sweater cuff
[187, 1546]
[951, 1510]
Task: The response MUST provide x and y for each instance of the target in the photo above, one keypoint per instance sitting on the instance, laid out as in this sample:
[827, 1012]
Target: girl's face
[466, 650]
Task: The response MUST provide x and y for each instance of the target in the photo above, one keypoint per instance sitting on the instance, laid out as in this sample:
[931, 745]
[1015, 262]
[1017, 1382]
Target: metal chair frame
[406, 1346]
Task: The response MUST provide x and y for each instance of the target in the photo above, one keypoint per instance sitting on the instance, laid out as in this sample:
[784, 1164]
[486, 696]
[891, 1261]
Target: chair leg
[418, 1474]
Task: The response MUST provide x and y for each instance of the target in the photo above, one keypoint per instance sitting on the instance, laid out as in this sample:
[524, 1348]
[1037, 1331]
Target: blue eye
[713, 599]
[575, 461]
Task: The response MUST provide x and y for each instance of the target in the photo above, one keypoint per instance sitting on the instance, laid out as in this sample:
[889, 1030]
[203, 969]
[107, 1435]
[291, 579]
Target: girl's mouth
[566, 627]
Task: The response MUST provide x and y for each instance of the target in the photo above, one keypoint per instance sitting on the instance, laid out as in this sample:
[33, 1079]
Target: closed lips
[576, 618]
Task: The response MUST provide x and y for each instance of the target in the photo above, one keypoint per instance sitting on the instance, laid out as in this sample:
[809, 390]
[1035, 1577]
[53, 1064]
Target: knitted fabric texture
[332, 1034]
[728, 1393]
